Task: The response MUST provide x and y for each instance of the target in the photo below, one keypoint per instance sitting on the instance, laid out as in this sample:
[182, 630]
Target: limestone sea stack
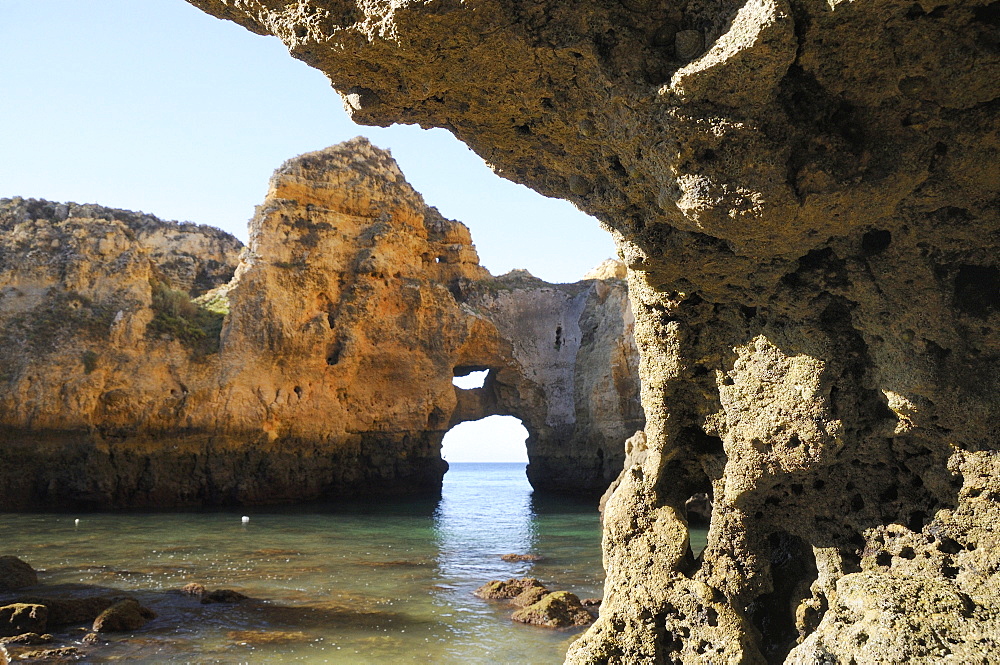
[150, 364]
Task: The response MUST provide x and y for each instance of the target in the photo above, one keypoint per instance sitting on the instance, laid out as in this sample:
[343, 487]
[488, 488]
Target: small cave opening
[793, 570]
[494, 439]
[977, 290]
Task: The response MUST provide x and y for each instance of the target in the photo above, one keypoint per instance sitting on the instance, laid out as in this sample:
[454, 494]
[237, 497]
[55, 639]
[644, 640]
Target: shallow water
[352, 583]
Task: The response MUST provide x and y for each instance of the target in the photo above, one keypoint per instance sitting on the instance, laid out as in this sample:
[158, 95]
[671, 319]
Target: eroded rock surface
[324, 368]
[806, 195]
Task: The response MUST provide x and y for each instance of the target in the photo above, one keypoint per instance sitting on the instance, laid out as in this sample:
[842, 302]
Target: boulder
[65, 611]
[561, 609]
[529, 596]
[16, 574]
[124, 616]
[222, 596]
[21, 618]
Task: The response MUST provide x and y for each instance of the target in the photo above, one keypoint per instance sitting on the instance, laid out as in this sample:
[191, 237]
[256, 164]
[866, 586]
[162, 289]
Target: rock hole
[884, 559]
[333, 354]
[977, 290]
[469, 378]
[949, 545]
[915, 523]
[907, 553]
[891, 493]
[297, 390]
[794, 441]
[488, 440]
[988, 14]
[857, 503]
[875, 242]
[559, 339]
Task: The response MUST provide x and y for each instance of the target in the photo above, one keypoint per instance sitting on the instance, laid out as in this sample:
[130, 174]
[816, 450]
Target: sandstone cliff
[322, 369]
[806, 196]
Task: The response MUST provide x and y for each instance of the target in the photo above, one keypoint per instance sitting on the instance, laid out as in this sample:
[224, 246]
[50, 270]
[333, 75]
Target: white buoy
[245, 519]
[76, 522]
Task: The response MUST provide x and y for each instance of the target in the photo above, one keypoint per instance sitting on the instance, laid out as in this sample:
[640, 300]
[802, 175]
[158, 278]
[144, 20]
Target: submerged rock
[16, 574]
[521, 557]
[560, 609]
[267, 636]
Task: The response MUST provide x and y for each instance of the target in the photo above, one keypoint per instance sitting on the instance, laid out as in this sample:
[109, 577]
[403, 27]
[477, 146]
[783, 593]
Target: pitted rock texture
[806, 196]
[323, 369]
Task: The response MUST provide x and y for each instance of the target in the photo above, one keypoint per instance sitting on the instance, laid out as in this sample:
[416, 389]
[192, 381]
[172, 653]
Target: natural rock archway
[323, 369]
[806, 195]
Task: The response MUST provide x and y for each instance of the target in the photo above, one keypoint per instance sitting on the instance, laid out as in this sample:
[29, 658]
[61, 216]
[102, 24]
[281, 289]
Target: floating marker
[76, 522]
[245, 519]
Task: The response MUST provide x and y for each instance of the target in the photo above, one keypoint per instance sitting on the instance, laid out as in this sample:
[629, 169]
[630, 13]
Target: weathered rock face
[806, 194]
[570, 373]
[323, 369]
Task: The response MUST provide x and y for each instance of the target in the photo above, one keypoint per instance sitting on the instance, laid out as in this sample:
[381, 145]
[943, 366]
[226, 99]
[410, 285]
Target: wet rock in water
[16, 574]
[193, 589]
[123, 616]
[506, 589]
[60, 655]
[31, 639]
[267, 636]
[521, 557]
[529, 596]
[92, 638]
[66, 611]
[561, 609]
[20, 618]
[591, 602]
[222, 596]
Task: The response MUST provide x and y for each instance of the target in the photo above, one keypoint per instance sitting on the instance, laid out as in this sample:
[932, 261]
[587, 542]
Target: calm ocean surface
[385, 582]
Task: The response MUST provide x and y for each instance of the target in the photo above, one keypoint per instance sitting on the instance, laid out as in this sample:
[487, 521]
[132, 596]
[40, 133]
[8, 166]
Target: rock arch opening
[492, 439]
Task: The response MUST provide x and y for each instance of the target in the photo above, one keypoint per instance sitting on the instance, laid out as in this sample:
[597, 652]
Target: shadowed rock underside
[806, 195]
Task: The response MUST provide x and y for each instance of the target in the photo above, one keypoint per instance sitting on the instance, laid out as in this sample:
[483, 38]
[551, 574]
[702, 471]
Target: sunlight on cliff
[492, 439]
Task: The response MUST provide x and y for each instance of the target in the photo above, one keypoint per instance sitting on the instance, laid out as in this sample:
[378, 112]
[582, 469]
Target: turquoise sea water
[386, 582]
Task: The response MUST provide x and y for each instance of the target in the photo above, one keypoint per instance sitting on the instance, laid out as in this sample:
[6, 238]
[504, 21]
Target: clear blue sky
[153, 105]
